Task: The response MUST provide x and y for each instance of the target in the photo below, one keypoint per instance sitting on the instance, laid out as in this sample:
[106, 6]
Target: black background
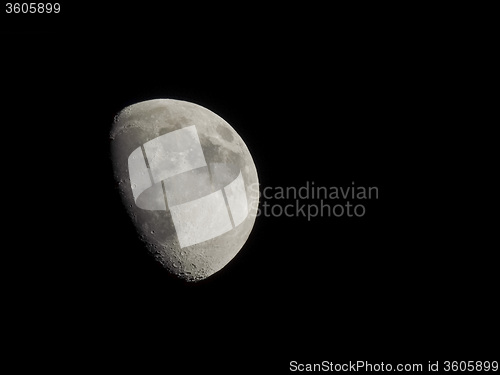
[315, 99]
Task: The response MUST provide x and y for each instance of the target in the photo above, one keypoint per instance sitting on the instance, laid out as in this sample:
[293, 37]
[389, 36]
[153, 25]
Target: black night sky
[314, 99]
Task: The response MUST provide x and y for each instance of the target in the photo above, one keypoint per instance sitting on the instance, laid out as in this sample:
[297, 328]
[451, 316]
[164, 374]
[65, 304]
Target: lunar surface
[188, 183]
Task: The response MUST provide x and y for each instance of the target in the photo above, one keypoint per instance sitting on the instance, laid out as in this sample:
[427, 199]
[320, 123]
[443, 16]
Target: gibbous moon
[188, 183]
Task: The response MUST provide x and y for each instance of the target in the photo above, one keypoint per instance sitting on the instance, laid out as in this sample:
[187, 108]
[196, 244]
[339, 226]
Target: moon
[188, 183]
